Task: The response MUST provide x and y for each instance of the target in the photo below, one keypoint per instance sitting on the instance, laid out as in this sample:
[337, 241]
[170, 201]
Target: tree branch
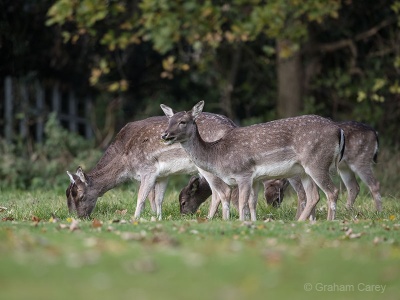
[350, 42]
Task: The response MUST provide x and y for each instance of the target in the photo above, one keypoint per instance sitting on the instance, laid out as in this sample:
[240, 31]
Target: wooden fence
[27, 104]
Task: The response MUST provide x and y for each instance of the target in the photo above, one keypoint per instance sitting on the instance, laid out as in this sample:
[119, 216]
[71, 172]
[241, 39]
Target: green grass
[190, 258]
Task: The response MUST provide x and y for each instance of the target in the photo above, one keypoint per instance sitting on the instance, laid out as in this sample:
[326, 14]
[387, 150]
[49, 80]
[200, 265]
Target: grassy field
[46, 254]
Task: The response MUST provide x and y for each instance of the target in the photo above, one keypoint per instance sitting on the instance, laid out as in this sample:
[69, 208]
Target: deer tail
[342, 144]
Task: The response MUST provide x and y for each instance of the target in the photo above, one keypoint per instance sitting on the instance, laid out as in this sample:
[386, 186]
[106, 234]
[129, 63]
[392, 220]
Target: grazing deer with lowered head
[307, 146]
[360, 154]
[137, 153]
[198, 190]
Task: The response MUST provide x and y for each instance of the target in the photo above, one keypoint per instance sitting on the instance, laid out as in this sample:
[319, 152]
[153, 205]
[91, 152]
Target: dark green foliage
[45, 164]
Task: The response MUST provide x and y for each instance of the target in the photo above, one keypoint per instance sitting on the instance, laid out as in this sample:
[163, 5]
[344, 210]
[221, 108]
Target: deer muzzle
[167, 138]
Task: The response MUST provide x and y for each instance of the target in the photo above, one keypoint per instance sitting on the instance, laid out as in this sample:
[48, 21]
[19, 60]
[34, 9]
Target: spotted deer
[360, 154]
[138, 153]
[307, 146]
[197, 191]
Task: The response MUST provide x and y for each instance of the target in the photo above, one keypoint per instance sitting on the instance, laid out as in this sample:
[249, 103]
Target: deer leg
[367, 176]
[224, 193]
[312, 195]
[295, 182]
[253, 202]
[350, 181]
[245, 193]
[159, 190]
[325, 183]
[152, 200]
[215, 201]
[146, 185]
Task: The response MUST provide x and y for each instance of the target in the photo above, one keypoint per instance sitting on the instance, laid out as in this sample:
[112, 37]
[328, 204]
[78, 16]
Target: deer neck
[200, 151]
[104, 177]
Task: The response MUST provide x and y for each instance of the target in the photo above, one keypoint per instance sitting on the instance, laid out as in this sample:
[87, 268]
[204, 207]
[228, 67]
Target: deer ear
[81, 175]
[167, 110]
[197, 109]
[194, 185]
[71, 177]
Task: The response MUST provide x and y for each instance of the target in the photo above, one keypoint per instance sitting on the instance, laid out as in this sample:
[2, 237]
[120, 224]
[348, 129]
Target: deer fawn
[359, 155]
[306, 146]
[137, 153]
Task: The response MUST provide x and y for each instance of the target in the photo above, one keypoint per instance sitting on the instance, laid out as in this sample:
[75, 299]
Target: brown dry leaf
[35, 219]
[202, 220]
[96, 223]
[7, 219]
[121, 212]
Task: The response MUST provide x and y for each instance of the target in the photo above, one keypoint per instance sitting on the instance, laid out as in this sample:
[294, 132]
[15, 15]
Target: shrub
[44, 165]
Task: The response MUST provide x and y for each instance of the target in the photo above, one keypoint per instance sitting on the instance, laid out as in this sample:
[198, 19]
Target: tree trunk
[290, 81]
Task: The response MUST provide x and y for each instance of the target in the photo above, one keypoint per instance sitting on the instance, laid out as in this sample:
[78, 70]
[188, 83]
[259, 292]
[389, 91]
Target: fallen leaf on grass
[2, 208]
[379, 239]
[7, 219]
[351, 235]
[35, 219]
[74, 225]
[202, 220]
[63, 226]
[54, 219]
[96, 223]
[392, 217]
[121, 212]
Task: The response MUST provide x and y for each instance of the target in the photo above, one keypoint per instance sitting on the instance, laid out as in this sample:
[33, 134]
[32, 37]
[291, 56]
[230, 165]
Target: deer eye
[182, 123]
[183, 203]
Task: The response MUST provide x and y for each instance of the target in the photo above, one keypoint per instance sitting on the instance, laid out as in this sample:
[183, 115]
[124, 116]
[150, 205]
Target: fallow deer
[138, 153]
[360, 154]
[198, 190]
[306, 146]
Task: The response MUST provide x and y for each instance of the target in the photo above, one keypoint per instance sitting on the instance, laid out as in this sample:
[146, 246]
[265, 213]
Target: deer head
[193, 195]
[274, 191]
[79, 196]
[180, 122]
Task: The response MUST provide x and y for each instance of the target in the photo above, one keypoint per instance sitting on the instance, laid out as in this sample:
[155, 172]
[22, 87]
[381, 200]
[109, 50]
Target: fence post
[23, 123]
[39, 111]
[55, 100]
[8, 108]
[88, 125]
[72, 111]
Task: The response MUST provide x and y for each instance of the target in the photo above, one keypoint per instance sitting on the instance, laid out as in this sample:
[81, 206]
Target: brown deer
[198, 190]
[306, 146]
[138, 153]
[360, 154]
